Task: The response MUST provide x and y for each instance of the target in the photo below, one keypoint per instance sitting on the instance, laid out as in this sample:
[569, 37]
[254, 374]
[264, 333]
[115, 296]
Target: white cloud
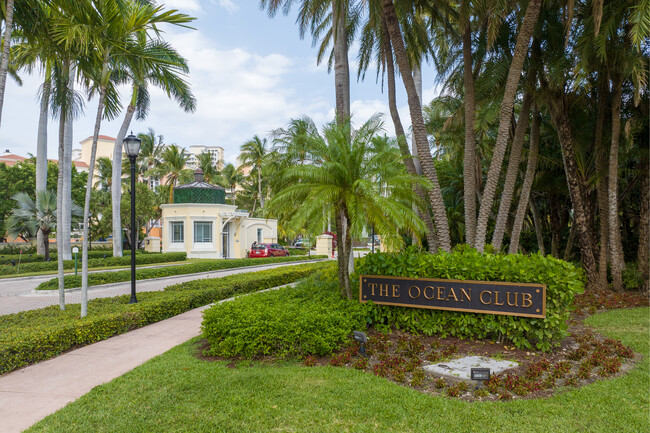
[184, 5]
[227, 5]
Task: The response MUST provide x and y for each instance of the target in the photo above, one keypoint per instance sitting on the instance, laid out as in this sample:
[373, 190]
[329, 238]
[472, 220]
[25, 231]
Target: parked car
[268, 250]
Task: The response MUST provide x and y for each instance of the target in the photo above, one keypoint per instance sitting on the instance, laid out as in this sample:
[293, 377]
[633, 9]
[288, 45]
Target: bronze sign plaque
[489, 297]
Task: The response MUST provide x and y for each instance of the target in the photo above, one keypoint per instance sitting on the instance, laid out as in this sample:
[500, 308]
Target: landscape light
[361, 338]
[480, 375]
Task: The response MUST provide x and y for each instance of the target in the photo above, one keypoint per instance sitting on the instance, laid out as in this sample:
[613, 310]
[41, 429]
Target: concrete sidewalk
[30, 394]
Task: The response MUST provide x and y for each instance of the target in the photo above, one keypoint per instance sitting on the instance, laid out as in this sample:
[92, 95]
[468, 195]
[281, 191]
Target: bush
[562, 281]
[98, 278]
[32, 336]
[98, 261]
[295, 251]
[310, 319]
[5, 259]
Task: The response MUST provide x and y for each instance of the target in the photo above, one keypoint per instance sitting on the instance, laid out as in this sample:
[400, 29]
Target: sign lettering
[489, 297]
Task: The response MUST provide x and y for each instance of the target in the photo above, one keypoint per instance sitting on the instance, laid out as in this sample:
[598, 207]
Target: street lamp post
[132, 148]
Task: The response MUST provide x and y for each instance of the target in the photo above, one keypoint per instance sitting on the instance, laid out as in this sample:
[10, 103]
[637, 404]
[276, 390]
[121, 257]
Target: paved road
[18, 294]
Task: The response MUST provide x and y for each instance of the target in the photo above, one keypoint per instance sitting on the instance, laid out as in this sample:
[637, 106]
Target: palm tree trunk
[46, 245]
[89, 187]
[341, 63]
[511, 172]
[524, 196]
[615, 248]
[116, 183]
[601, 171]
[560, 117]
[469, 158]
[4, 63]
[259, 186]
[419, 130]
[519, 55]
[569, 244]
[41, 153]
[66, 221]
[644, 230]
[402, 144]
[59, 211]
[342, 259]
[537, 221]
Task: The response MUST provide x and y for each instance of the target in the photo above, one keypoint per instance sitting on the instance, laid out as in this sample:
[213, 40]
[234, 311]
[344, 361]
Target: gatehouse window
[202, 232]
[178, 234]
[259, 236]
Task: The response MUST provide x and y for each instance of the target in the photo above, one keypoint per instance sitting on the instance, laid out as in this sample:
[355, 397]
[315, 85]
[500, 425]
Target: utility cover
[461, 368]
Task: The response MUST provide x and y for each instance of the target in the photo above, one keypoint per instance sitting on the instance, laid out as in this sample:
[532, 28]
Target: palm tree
[163, 67]
[174, 158]
[151, 148]
[104, 174]
[417, 121]
[4, 60]
[231, 176]
[30, 217]
[346, 181]
[253, 154]
[210, 172]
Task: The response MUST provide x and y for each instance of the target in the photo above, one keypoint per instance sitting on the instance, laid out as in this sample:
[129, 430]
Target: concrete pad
[461, 368]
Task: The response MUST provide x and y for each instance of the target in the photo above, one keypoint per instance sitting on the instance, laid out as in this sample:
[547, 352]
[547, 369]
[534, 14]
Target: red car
[268, 250]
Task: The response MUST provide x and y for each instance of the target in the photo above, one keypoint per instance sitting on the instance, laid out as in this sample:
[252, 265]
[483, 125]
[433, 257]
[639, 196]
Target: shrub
[97, 278]
[32, 336]
[311, 318]
[98, 261]
[562, 281]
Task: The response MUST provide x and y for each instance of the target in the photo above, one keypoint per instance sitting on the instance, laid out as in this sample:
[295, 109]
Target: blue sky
[250, 74]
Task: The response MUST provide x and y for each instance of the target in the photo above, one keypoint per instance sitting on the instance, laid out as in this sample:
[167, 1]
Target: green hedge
[562, 280]
[32, 336]
[98, 261]
[311, 318]
[298, 251]
[97, 278]
[5, 259]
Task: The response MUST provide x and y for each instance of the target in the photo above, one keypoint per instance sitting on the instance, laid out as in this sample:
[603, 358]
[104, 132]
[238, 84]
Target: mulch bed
[582, 358]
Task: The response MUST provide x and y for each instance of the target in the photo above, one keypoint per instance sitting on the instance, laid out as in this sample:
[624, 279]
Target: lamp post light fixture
[132, 149]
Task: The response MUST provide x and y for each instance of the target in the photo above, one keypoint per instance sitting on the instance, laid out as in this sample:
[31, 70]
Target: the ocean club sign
[490, 297]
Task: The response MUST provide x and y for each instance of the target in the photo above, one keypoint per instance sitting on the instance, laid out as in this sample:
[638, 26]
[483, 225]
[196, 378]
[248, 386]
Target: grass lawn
[176, 392]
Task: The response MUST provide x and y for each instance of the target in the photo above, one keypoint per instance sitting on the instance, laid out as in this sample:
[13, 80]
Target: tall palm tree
[231, 176]
[151, 148]
[254, 154]
[521, 49]
[210, 172]
[4, 60]
[346, 182]
[104, 175]
[174, 159]
[417, 121]
[163, 67]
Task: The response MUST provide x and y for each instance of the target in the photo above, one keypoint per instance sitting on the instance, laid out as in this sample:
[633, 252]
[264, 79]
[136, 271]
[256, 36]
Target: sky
[250, 74]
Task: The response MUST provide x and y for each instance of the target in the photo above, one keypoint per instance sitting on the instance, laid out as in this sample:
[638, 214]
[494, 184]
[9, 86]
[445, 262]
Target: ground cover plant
[98, 261]
[32, 336]
[259, 396]
[562, 280]
[97, 278]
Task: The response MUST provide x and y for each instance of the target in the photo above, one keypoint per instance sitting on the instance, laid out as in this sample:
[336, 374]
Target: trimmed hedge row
[32, 336]
[140, 259]
[5, 259]
[298, 251]
[309, 319]
[563, 280]
[98, 278]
